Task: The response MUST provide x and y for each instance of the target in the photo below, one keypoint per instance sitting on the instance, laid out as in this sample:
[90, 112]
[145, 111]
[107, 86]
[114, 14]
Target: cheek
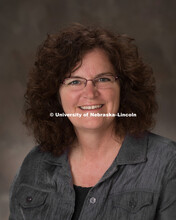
[113, 100]
[68, 100]
[113, 96]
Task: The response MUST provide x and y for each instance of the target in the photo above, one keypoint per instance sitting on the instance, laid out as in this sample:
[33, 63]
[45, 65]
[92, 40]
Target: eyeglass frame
[86, 80]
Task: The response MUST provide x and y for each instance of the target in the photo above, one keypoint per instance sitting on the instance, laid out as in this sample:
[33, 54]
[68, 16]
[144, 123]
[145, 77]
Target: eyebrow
[98, 75]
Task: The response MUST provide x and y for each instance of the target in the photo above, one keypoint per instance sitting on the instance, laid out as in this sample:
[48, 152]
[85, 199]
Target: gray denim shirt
[139, 185]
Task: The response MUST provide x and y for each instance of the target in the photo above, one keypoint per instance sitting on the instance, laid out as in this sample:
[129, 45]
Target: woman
[92, 163]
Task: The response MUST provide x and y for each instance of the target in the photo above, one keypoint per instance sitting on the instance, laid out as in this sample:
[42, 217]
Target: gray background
[24, 25]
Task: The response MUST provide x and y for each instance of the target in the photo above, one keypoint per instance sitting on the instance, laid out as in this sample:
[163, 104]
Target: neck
[96, 144]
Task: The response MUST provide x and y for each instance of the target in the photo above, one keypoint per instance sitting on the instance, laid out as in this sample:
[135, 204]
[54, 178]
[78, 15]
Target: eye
[104, 79]
[74, 82]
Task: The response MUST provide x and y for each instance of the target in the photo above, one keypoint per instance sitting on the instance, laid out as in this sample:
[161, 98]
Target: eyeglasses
[104, 81]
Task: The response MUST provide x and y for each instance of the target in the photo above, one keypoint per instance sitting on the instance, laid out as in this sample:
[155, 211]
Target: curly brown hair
[58, 56]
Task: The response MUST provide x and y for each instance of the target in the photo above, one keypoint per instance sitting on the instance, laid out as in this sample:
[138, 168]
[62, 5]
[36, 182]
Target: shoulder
[34, 156]
[161, 150]
[33, 165]
[37, 162]
[32, 160]
[36, 169]
[30, 165]
[157, 142]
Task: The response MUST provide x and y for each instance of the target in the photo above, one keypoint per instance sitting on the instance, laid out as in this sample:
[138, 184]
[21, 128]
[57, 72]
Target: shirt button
[92, 200]
[29, 199]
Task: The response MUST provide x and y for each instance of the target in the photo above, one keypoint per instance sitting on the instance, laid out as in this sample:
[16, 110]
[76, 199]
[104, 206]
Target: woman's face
[91, 99]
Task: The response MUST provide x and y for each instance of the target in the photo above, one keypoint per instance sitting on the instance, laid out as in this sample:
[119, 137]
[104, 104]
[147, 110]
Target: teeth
[91, 107]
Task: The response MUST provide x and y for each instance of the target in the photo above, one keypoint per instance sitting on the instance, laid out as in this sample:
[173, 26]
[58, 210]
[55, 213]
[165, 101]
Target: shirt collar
[133, 150]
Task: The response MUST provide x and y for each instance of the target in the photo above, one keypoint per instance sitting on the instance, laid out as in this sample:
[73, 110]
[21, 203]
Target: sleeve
[167, 204]
[23, 175]
[15, 213]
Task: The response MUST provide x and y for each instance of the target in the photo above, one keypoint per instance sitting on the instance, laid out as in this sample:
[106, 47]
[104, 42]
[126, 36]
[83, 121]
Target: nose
[90, 91]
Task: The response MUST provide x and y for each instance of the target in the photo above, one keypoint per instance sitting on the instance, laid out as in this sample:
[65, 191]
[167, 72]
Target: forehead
[93, 63]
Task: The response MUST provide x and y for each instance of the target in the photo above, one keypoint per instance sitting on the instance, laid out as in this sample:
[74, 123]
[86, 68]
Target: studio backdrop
[25, 24]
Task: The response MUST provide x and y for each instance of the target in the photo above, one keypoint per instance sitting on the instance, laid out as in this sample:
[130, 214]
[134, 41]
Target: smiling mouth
[90, 107]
